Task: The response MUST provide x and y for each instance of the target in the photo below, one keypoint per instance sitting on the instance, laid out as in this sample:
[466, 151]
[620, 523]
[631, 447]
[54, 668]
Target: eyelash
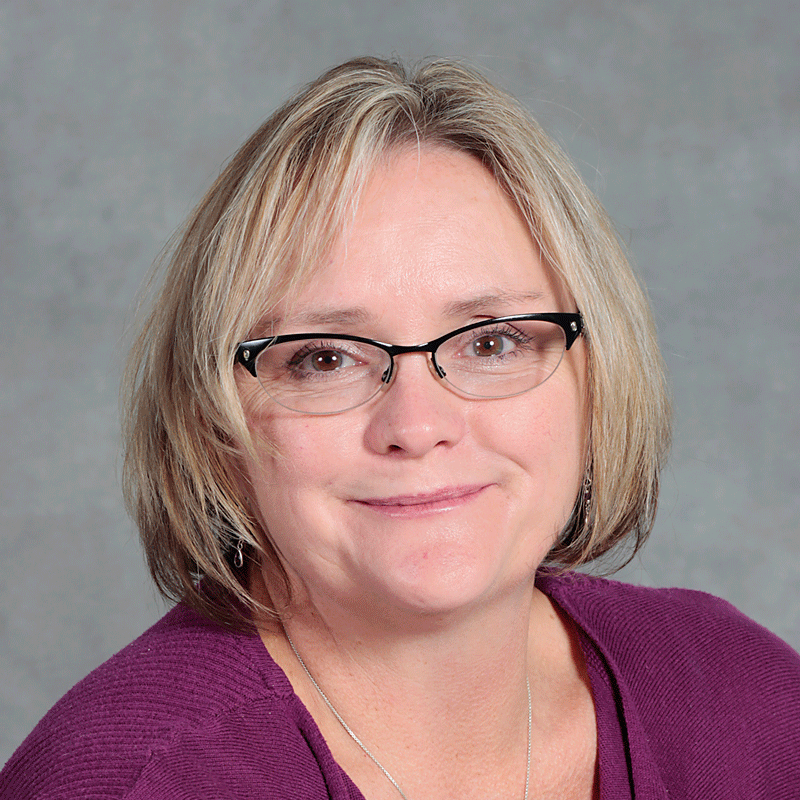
[308, 348]
[503, 330]
[293, 363]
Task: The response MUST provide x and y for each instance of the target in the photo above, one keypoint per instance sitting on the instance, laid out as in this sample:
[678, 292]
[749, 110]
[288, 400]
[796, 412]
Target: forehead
[433, 235]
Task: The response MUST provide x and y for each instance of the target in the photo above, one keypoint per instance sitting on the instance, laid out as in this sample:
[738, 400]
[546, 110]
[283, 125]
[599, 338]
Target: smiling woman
[433, 229]
[371, 543]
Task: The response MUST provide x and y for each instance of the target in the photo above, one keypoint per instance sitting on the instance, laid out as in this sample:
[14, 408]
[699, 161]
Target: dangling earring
[238, 556]
[587, 495]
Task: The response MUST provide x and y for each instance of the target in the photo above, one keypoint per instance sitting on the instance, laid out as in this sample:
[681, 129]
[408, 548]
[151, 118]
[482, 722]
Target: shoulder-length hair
[261, 231]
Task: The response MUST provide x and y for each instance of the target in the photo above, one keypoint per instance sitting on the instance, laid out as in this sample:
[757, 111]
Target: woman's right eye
[323, 361]
[318, 359]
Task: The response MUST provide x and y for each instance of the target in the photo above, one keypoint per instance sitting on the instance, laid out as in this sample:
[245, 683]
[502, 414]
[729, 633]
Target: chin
[438, 585]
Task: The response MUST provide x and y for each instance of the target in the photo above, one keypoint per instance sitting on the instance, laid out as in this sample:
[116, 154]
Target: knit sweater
[693, 701]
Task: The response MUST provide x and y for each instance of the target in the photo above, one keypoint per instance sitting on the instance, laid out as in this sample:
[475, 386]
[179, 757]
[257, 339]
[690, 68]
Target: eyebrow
[322, 318]
[484, 302]
[358, 315]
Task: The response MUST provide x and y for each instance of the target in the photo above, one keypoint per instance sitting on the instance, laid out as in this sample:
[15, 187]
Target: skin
[411, 527]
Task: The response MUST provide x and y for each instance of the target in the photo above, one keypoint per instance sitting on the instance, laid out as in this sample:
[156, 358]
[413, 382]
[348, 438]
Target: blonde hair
[258, 235]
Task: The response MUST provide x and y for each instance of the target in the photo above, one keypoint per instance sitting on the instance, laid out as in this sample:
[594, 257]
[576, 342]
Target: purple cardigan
[694, 701]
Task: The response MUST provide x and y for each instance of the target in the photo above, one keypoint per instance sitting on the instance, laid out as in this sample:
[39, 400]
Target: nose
[416, 413]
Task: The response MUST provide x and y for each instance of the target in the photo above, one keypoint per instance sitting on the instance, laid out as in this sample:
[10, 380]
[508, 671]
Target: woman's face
[421, 500]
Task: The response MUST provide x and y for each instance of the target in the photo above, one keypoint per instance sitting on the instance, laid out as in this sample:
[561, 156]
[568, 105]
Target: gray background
[683, 116]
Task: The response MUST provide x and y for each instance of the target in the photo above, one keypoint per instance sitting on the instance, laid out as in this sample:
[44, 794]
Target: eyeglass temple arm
[246, 354]
[573, 327]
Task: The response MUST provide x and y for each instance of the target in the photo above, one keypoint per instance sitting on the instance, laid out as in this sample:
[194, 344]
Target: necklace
[367, 750]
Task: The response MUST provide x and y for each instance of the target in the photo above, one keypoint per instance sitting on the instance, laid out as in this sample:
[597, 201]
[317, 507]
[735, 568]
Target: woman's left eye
[492, 344]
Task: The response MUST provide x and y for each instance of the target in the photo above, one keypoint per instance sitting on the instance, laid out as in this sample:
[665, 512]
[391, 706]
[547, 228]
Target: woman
[371, 542]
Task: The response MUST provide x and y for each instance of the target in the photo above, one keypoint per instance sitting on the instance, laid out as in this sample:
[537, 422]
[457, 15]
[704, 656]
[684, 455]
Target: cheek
[294, 456]
[549, 425]
[544, 435]
[278, 434]
[279, 486]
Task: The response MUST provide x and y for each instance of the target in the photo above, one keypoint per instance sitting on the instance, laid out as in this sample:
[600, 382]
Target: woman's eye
[492, 344]
[322, 361]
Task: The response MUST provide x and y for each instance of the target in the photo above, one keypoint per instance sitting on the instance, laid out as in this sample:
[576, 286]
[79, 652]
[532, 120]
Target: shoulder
[633, 619]
[178, 685]
[714, 692]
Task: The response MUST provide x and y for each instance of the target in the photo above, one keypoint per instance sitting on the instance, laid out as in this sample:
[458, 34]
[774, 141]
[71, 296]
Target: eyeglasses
[320, 373]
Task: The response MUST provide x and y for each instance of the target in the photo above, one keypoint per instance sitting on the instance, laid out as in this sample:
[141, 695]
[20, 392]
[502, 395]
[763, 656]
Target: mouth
[406, 505]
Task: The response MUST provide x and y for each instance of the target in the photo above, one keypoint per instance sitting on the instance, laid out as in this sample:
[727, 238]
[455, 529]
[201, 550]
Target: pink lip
[404, 505]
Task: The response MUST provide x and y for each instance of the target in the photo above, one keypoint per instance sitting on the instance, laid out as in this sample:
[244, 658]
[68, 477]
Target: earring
[587, 495]
[238, 556]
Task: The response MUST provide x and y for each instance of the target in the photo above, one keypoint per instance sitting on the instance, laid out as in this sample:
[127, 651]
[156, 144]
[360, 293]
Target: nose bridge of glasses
[429, 349]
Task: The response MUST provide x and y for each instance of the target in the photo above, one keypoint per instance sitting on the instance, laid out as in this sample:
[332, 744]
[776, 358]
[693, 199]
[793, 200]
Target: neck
[424, 694]
[427, 665]
[427, 654]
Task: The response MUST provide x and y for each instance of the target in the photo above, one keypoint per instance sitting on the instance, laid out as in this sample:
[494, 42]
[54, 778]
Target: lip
[409, 505]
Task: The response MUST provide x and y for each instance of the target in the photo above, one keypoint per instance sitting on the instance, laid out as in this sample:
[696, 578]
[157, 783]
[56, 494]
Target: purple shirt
[693, 701]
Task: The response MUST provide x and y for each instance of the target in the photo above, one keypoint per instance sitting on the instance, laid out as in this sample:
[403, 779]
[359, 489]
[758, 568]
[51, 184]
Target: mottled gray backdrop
[684, 117]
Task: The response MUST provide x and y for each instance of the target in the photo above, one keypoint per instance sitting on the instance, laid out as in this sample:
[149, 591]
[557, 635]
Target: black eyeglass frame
[248, 352]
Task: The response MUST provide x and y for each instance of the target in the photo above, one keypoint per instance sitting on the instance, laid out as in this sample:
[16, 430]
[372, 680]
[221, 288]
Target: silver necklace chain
[361, 744]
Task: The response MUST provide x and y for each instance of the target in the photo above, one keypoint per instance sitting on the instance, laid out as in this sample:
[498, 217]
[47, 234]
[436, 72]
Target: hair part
[254, 240]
